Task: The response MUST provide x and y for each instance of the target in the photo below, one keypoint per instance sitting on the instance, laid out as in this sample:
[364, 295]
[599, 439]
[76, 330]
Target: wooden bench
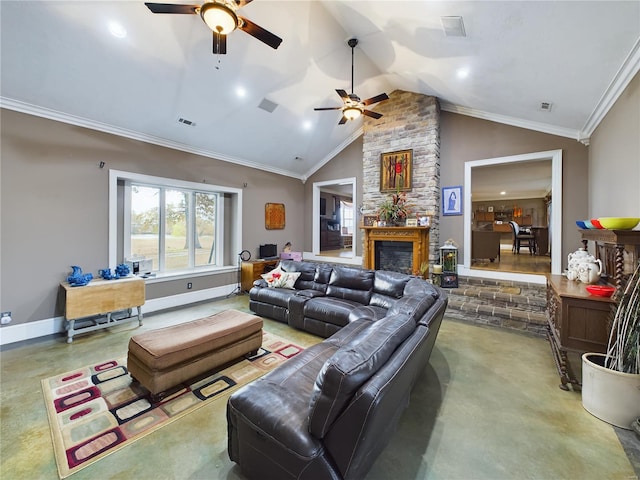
[164, 358]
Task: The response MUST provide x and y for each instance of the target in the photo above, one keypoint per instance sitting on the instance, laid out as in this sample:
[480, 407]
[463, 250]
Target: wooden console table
[577, 323]
[102, 297]
[619, 251]
[250, 271]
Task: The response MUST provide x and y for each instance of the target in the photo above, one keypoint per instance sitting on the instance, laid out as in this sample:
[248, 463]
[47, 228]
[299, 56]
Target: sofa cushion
[323, 274]
[387, 288]
[412, 305]
[351, 366]
[278, 278]
[330, 310]
[351, 284]
[307, 273]
[370, 312]
[273, 296]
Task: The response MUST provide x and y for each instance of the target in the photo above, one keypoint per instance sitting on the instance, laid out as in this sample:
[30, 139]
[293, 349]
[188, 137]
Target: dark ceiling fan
[354, 107]
[221, 17]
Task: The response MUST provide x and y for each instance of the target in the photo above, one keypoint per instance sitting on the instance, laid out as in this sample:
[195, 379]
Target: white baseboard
[51, 326]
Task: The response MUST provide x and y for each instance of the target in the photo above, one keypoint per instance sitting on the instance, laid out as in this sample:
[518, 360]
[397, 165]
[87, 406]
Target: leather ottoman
[164, 358]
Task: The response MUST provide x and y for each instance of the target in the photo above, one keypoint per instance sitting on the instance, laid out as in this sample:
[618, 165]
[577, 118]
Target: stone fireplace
[399, 249]
[411, 121]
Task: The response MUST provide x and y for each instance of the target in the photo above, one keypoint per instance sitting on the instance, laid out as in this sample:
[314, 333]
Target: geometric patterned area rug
[96, 410]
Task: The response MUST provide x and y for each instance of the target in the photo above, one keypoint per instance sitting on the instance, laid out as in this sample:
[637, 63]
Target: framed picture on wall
[369, 220]
[396, 171]
[452, 200]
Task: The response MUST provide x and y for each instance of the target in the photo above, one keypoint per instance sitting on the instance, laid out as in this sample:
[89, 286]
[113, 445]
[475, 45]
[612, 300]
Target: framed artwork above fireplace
[396, 169]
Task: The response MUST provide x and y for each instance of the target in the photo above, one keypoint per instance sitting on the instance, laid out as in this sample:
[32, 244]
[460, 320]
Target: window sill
[180, 275]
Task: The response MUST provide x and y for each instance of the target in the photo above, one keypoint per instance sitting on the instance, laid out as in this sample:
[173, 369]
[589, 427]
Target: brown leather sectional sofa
[329, 411]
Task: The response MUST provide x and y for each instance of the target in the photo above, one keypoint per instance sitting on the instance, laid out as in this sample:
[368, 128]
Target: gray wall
[614, 159]
[466, 138]
[54, 207]
[53, 196]
[346, 164]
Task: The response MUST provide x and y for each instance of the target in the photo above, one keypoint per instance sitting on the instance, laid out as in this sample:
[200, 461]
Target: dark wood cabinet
[251, 271]
[577, 323]
[330, 237]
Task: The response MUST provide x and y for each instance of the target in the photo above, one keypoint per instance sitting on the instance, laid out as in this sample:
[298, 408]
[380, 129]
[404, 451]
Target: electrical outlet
[189, 286]
[5, 317]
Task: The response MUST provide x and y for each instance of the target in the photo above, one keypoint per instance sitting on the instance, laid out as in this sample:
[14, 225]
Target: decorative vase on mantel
[395, 210]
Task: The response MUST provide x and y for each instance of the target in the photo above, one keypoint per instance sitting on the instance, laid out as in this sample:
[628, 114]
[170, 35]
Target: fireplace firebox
[402, 249]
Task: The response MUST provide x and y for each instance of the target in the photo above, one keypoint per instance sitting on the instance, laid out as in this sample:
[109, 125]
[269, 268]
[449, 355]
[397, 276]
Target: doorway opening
[334, 228]
[487, 214]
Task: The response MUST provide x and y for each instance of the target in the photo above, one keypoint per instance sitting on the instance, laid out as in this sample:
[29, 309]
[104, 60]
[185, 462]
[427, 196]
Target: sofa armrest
[260, 283]
[277, 413]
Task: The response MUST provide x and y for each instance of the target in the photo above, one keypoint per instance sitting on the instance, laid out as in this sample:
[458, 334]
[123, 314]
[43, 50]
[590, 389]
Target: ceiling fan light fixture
[351, 113]
[219, 18]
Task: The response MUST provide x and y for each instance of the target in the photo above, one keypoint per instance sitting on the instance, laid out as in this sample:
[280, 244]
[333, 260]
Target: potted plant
[611, 381]
[422, 271]
[395, 210]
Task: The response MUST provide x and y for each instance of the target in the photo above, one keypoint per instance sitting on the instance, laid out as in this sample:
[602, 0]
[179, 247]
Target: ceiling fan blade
[344, 95]
[343, 120]
[219, 44]
[171, 8]
[376, 99]
[260, 33]
[328, 108]
[371, 114]
[242, 3]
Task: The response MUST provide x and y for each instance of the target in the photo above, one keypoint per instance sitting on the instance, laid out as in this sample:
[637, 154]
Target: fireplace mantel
[418, 236]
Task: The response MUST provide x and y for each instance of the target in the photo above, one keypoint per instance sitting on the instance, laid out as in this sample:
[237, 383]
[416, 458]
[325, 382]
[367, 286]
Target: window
[181, 226]
[347, 216]
[174, 228]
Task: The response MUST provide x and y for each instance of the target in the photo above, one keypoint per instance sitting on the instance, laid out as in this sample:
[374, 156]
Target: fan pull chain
[219, 29]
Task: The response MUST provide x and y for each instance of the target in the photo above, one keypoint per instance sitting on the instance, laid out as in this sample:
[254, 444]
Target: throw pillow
[277, 278]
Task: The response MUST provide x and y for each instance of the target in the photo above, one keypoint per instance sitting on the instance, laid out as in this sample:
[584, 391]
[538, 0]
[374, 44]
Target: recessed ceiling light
[503, 193]
[241, 92]
[307, 125]
[462, 72]
[117, 30]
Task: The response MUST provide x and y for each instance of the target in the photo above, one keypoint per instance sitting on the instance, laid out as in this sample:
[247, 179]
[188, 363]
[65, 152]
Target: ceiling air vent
[453, 26]
[268, 105]
[187, 122]
[545, 106]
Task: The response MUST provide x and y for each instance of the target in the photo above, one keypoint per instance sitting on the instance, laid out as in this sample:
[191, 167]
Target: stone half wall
[411, 121]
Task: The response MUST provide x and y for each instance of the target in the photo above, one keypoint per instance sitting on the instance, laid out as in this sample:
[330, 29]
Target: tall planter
[607, 394]
[611, 382]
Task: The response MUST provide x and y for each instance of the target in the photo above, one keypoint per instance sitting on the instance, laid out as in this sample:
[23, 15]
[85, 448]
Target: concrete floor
[487, 407]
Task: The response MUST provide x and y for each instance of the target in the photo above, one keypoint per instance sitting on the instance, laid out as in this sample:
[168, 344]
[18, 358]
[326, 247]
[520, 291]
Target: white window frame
[128, 177]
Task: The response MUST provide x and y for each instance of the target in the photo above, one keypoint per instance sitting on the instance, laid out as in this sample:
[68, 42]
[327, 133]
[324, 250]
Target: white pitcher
[590, 271]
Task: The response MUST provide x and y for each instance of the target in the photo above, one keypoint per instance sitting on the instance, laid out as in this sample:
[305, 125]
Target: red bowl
[596, 223]
[600, 290]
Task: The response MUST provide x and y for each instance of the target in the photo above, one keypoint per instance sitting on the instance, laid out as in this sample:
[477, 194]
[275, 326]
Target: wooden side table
[250, 271]
[102, 298]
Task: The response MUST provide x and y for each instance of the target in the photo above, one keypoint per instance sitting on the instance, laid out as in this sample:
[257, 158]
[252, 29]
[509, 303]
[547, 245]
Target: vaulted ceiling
[60, 60]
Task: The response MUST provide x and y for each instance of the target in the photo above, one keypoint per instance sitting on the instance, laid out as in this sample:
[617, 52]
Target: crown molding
[50, 114]
[349, 140]
[514, 122]
[621, 80]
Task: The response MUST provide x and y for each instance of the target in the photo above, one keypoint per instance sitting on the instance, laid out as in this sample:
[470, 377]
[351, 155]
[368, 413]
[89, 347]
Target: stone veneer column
[410, 121]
